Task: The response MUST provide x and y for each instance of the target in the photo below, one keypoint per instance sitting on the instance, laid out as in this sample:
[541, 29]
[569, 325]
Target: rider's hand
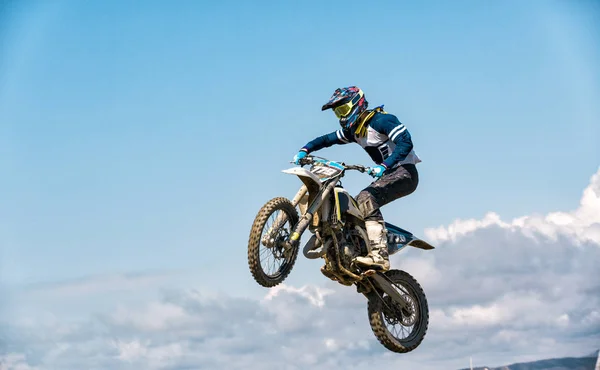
[301, 154]
[377, 171]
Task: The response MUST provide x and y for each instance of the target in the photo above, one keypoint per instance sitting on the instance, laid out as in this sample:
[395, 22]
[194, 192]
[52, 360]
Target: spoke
[273, 258]
[395, 321]
[268, 263]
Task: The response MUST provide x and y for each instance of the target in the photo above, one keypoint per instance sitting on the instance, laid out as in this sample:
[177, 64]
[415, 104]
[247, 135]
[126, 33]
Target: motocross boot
[378, 258]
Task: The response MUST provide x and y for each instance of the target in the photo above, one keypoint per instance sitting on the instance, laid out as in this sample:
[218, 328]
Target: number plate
[322, 171]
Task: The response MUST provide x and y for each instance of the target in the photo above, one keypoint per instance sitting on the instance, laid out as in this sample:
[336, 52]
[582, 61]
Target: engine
[351, 245]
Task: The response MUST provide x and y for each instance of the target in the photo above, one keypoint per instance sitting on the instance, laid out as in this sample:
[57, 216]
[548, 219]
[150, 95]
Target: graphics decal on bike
[346, 204]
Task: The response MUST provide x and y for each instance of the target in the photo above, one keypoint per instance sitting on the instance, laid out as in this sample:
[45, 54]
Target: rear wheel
[269, 261]
[398, 329]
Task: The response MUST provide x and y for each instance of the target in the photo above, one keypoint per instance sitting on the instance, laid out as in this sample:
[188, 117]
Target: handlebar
[358, 167]
[309, 159]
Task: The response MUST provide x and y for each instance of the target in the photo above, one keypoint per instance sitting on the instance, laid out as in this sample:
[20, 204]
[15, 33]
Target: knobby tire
[254, 242]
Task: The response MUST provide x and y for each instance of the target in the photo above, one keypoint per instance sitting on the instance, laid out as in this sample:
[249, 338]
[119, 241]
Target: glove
[301, 154]
[377, 171]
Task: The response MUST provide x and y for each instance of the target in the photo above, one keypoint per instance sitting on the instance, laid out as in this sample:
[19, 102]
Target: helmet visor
[342, 110]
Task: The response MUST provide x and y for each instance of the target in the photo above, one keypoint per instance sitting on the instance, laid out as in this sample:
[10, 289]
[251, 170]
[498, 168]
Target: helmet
[347, 104]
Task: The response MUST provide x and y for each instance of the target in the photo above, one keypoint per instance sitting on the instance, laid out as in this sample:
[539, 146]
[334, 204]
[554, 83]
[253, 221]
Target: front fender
[312, 182]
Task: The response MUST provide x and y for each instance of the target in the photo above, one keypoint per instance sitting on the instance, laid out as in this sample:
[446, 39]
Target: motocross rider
[389, 144]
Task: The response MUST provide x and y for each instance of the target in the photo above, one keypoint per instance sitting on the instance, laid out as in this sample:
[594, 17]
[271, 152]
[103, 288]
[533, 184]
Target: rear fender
[399, 238]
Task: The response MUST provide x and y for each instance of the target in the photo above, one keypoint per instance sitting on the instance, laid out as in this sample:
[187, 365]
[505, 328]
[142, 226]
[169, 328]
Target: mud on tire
[254, 242]
[378, 322]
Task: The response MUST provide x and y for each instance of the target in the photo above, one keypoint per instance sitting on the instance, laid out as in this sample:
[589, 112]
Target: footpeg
[369, 272]
[331, 276]
[328, 274]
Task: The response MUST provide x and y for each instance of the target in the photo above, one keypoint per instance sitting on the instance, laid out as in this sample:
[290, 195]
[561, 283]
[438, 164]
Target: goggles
[344, 109]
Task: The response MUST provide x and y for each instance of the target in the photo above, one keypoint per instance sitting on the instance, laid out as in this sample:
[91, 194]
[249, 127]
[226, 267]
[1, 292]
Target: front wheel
[398, 329]
[272, 263]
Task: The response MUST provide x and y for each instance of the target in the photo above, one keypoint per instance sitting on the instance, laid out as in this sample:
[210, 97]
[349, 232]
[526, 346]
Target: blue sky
[140, 137]
[146, 137]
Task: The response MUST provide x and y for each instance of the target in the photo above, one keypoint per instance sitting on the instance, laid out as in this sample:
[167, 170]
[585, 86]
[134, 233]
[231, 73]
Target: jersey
[387, 141]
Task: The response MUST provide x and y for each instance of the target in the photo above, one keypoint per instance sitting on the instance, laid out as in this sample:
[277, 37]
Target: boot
[378, 257]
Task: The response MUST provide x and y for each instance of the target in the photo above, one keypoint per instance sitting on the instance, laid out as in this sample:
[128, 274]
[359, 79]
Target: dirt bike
[333, 216]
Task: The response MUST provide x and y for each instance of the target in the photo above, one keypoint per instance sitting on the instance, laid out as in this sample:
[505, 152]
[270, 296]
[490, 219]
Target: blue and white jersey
[387, 141]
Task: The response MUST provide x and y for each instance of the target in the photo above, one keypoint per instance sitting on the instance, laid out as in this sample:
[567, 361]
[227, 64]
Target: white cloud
[500, 291]
[582, 224]
[155, 317]
[315, 295]
[135, 352]
[15, 361]
[94, 285]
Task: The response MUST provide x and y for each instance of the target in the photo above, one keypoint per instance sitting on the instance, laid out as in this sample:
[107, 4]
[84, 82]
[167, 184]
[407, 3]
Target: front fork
[307, 213]
[299, 200]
